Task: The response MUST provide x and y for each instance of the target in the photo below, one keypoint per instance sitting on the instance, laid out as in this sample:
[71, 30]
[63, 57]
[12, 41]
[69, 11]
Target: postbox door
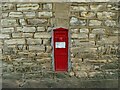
[61, 50]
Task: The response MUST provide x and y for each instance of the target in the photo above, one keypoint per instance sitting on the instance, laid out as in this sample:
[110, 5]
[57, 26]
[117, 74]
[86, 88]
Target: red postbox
[61, 53]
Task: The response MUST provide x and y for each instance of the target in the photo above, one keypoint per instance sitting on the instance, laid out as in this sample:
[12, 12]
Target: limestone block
[74, 21]
[4, 15]
[84, 30]
[80, 36]
[37, 48]
[95, 23]
[22, 7]
[105, 15]
[45, 14]
[92, 74]
[34, 41]
[16, 35]
[79, 8]
[110, 23]
[48, 49]
[37, 21]
[15, 14]
[22, 22]
[29, 14]
[4, 36]
[96, 7]
[46, 41]
[97, 61]
[28, 29]
[19, 29]
[74, 30]
[28, 35]
[47, 6]
[71, 74]
[98, 31]
[82, 22]
[40, 28]
[9, 22]
[88, 14]
[7, 6]
[7, 30]
[15, 41]
[42, 55]
[81, 74]
[42, 35]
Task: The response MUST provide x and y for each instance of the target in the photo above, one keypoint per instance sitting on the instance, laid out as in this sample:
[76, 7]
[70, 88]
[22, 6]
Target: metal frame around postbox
[52, 45]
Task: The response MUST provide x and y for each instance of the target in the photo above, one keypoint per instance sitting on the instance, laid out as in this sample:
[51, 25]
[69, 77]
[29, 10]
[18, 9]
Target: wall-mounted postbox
[60, 53]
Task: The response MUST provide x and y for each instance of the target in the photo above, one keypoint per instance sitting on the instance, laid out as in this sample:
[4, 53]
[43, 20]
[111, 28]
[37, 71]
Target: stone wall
[26, 33]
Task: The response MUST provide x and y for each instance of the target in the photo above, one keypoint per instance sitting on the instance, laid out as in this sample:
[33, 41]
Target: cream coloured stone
[7, 6]
[15, 41]
[37, 48]
[15, 14]
[29, 14]
[22, 22]
[40, 28]
[28, 29]
[7, 30]
[78, 8]
[80, 36]
[16, 35]
[95, 23]
[74, 21]
[28, 35]
[37, 21]
[47, 6]
[3, 36]
[42, 35]
[98, 31]
[4, 15]
[34, 41]
[9, 22]
[110, 23]
[84, 30]
[22, 7]
[88, 14]
[45, 14]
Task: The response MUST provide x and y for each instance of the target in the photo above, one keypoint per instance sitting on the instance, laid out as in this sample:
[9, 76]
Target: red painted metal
[61, 54]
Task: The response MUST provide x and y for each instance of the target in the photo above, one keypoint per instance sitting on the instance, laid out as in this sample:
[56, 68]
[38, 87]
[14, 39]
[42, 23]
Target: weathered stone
[42, 35]
[71, 74]
[74, 30]
[92, 74]
[15, 41]
[82, 22]
[7, 6]
[91, 36]
[4, 15]
[29, 35]
[110, 23]
[37, 21]
[84, 30]
[48, 50]
[3, 36]
[29, 14]
[46, 41]
[40, 28]
[9, 22]
[95, 23]
[97, 61]
[74, 21]
[7, 30]
[15, 14]
[98, 31]
[105, 15]
[42, 55]
[19, 29]
[28, 29]
[16, 35]
[98, 7]
[22, 22]
[47, 6]
[80, 74]
[45, 14]
[79, 8]
[22, 7]
[37, 48]
[34, 41]
[88, 14]
[80, 36]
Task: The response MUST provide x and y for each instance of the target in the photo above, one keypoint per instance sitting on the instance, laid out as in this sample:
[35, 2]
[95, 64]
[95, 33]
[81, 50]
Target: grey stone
[46, 41]
[16, 35]
[7, 6]
[88, 14]
[110, 23]
[4, 15]
[29, 14]
[79, 8]
[22, 22]
[98, 31]
[28, 35]
[28, 29]
[84, 30]
[47, 6]
[80, 36]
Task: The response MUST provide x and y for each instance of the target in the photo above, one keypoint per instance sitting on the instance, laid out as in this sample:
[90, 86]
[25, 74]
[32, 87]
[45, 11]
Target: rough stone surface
[15, 41]
[15, 14]
[8, 22]
[42, 35]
